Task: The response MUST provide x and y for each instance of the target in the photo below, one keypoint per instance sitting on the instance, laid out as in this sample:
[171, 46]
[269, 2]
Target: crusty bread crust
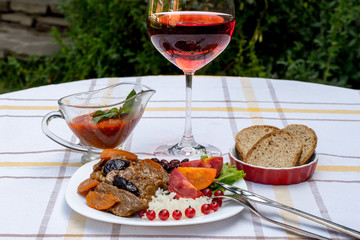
[278, 149]
[246, 138]
[309, 139]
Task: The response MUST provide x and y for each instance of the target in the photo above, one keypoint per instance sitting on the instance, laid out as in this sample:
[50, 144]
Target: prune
[115, 164]
[127, 185]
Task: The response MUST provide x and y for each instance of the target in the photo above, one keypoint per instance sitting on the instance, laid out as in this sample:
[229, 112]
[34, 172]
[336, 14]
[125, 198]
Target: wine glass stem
[188, 138]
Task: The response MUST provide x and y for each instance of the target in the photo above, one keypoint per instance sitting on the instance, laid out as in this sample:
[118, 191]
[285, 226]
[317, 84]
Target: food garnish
[190, 212]
[150, 214]
[177, 214]
[229, 175]
[114, 113]
[164, 215]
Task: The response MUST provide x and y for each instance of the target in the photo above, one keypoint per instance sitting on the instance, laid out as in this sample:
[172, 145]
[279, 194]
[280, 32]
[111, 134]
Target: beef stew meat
[146, 175]
[129, 204]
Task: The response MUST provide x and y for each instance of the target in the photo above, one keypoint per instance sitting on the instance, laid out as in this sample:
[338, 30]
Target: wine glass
[190, 34]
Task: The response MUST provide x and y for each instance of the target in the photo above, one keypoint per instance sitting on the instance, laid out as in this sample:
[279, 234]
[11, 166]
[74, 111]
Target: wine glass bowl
[190, 40]
[190, 34]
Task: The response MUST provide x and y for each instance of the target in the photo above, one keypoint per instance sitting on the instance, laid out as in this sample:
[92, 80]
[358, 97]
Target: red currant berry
[177, 214]
[190, 212]
[207, 192]
[151, 215]
[206, 209]
[218, 193]
[164, 214]
[218, 200]
[141, 213]
[215, 205]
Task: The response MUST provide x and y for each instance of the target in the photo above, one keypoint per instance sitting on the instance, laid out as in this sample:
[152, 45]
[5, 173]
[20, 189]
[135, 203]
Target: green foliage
[307, 40]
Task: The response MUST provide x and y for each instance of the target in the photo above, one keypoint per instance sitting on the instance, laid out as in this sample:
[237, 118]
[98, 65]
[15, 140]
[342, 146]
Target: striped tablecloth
[35, 171]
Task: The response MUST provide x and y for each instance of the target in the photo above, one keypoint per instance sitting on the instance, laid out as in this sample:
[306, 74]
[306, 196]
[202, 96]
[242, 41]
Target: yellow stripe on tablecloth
[250, 109]
[251, 104]
[282, 193]
[4, 107]
[254, 110]
[338, 168]
[39, 164]
[76, 225]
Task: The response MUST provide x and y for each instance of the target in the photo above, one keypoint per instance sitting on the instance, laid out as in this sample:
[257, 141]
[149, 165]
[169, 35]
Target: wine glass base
[196, 152]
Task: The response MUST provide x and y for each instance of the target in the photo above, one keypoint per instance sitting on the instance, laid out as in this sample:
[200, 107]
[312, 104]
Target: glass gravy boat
[87, 115]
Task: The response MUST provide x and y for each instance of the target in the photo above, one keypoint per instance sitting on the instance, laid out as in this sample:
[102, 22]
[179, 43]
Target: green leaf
[229, 175]
[99, 115]
[128, 105]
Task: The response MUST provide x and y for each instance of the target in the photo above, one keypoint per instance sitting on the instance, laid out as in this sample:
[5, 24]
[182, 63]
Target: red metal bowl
[275, 176]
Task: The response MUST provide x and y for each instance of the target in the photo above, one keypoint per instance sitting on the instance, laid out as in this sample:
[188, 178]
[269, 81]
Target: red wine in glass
[188, 39]
[190, 34]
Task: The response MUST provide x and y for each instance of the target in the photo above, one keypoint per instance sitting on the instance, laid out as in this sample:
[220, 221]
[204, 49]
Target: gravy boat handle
[45, 128]
[266, 201]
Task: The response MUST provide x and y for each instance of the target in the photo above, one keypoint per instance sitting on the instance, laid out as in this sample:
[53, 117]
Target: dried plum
[115, 164]
[127, 185]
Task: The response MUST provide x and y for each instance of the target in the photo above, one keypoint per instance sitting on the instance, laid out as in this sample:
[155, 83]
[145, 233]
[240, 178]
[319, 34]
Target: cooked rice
[165, 200]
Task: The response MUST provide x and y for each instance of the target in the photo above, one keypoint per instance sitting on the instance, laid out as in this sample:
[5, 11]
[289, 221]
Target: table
[35, 171]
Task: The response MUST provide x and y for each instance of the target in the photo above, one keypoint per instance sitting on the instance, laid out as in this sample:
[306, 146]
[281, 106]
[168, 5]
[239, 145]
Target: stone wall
[25, 27]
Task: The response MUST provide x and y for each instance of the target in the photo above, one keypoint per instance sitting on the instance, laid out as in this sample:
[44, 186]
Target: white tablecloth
[35, 171]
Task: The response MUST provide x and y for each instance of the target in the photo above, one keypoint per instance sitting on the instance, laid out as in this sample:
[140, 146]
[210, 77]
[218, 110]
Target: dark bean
[155, 160]
[164, 164]
[185, 160]
[115, 164]
[124, 184]
[175, 162]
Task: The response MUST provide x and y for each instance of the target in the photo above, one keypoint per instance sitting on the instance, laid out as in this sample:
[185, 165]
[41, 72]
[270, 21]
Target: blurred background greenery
[306, 40]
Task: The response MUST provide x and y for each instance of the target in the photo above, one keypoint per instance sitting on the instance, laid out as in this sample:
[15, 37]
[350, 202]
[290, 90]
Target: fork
[242, 196]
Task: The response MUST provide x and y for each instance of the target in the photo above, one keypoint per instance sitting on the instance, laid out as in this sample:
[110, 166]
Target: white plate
[78, 203]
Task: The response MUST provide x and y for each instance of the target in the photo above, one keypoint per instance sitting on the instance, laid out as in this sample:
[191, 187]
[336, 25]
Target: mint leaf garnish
[128, 105]
[99, 115]
[113, 113]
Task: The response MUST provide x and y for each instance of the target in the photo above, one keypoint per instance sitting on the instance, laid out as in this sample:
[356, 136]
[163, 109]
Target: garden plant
[305, 40]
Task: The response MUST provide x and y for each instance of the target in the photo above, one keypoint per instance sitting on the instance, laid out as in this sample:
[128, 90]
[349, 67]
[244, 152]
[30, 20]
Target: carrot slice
[86, 185]
[108, 154]
[101, 201]
[198, 176]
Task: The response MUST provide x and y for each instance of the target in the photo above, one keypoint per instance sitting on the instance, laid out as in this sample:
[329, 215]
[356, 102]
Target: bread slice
[309, 140]
[278, 149]
[246, 138]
